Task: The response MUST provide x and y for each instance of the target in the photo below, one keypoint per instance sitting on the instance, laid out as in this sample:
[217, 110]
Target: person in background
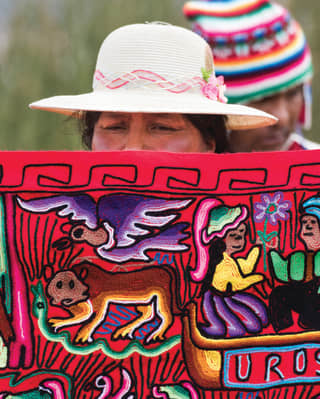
[266, 62]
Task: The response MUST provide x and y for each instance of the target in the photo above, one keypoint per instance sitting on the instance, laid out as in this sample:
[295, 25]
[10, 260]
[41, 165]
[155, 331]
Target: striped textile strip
[284, 72]
[222, 8]
[246, 91]
[248, 24]
[238, 65]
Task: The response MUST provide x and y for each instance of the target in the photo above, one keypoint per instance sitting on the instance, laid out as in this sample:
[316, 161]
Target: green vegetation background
[49, 47]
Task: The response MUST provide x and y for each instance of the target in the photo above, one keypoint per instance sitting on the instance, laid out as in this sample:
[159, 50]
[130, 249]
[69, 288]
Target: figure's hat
[224, 218]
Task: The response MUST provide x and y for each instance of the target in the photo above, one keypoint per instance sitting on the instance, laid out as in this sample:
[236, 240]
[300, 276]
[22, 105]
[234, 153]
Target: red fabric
[296, 147]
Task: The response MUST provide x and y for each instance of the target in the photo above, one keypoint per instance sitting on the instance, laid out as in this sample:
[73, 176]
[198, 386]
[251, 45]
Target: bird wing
[134, 216]
[79, 207]
[169, 239]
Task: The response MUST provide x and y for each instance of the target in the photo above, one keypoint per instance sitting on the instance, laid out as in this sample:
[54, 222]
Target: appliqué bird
[121, 227]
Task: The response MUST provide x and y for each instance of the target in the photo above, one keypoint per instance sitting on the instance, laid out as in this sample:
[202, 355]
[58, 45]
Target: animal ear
[83, 273]
[48, 272]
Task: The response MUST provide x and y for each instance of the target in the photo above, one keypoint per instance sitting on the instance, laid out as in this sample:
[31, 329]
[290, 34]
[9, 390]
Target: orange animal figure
[86, 291]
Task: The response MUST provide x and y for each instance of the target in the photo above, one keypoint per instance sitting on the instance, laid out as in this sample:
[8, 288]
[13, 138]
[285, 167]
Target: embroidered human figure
[228, 310]
[236, 274]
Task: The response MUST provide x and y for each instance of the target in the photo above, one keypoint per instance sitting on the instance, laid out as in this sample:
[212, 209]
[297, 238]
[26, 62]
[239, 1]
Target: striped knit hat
[258, 47]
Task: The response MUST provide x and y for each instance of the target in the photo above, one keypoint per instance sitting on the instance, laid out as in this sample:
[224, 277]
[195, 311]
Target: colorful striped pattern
[258, 47]
[227, 8]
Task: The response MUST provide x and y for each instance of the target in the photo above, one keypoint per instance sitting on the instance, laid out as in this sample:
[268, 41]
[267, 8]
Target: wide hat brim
[239, 117]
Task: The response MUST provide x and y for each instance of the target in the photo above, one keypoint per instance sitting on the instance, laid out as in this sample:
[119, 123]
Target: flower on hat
[213, 87]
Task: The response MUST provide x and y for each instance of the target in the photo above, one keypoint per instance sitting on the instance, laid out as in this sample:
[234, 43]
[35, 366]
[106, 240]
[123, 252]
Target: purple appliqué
[272, 208]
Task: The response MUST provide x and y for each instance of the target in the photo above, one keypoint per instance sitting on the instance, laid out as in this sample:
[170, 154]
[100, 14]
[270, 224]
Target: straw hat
[156, 68]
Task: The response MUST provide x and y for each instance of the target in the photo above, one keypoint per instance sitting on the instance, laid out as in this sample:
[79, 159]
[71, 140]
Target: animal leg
[85, 332]
[80, 313]
[146, 315]
[164, 312]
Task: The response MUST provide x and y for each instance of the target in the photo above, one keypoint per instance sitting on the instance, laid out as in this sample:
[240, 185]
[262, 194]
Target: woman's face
[117, 131]
[235, 239]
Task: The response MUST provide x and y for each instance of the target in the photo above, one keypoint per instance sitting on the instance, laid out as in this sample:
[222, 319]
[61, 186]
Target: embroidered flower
[272, 208]
[213, 87]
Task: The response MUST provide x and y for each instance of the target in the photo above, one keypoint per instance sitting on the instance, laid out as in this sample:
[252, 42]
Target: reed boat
[204, 356]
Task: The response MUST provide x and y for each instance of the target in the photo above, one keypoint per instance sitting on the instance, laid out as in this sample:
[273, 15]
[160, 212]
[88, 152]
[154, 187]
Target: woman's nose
[135, 139]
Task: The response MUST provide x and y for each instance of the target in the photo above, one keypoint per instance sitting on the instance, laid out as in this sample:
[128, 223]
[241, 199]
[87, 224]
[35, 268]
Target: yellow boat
[204, 356]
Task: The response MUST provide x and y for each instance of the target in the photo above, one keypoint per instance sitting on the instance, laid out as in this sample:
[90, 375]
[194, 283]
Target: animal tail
[174, 288]
[174, 235]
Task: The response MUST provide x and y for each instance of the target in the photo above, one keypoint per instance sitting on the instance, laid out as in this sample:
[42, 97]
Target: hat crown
[166, 50]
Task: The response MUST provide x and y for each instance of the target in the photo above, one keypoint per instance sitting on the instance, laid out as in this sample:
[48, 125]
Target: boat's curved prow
[204, 366]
